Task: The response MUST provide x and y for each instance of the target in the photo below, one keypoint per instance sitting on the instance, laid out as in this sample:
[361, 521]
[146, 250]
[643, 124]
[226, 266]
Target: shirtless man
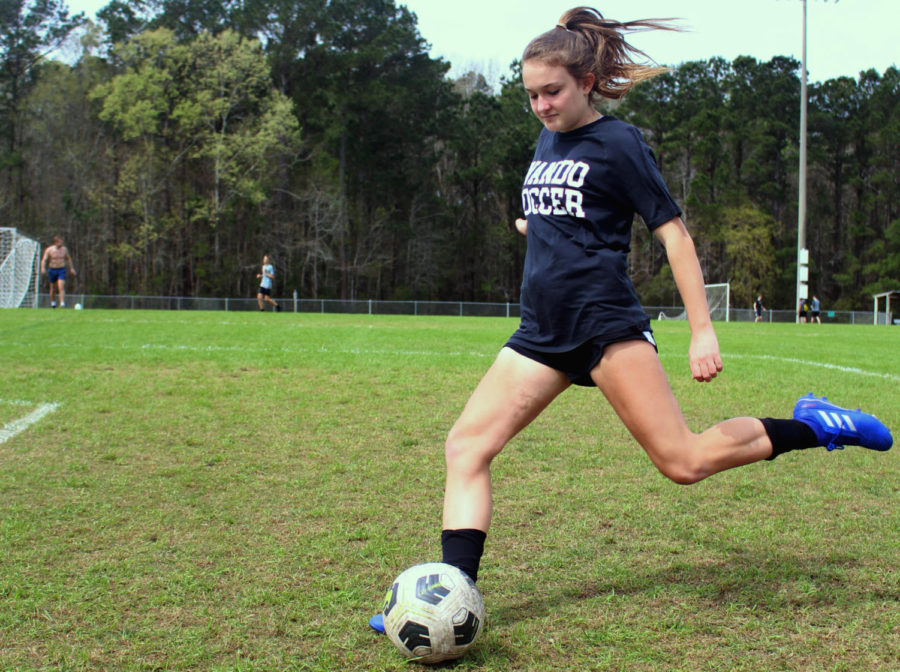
[54, 263]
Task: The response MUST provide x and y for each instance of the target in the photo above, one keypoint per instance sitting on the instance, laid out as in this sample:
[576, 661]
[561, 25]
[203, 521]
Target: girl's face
[561, 102]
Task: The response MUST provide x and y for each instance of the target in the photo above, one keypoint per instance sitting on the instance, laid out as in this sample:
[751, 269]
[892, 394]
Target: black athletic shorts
[577, 364]
[265, 291]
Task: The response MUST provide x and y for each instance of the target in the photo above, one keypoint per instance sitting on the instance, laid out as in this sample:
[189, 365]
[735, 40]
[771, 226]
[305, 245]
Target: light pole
[802, 251]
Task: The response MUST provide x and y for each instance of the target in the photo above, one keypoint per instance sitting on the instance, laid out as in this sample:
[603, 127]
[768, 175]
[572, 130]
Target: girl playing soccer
[581, 320]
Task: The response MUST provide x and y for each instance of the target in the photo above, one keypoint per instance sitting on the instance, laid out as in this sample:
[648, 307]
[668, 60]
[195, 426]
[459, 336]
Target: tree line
[185, 139]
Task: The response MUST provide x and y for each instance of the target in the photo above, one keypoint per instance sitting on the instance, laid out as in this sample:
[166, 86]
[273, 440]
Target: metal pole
[37, 278]
[801, 205]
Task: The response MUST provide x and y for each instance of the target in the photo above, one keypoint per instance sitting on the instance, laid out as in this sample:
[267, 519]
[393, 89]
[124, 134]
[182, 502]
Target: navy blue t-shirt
[580, 197]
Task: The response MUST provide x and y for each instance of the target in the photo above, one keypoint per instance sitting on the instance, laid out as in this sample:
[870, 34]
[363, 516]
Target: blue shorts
[577, 364]
[55, 274]
[265, 291]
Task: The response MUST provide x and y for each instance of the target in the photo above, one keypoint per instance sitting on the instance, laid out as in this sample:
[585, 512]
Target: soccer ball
[433, 612]
[78, 306]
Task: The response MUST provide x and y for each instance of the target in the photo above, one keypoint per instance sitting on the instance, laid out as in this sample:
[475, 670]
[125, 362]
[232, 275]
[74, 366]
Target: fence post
[295, 300]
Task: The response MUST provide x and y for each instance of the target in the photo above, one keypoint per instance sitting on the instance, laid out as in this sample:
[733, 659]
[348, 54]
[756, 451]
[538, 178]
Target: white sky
[843, 37]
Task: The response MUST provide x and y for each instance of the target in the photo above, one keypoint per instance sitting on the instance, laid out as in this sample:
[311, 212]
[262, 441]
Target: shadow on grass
[759, 580]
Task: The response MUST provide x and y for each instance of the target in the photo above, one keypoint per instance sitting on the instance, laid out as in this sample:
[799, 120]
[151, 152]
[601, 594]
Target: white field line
[429, 353]
[822, 365]
[10, 429]
[315, 348]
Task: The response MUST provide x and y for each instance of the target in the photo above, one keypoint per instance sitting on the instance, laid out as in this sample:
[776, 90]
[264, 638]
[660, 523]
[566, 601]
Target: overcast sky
[844, 37]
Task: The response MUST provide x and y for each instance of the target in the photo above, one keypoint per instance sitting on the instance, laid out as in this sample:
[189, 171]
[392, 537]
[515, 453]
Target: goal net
[19, 269]
[718, 300]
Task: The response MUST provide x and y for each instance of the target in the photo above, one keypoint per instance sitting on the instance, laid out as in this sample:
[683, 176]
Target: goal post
[718, 298]
[20, 269]
[887, 305]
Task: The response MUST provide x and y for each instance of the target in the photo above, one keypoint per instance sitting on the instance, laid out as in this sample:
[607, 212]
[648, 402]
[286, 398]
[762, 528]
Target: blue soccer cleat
[377, 623]
[836, 427]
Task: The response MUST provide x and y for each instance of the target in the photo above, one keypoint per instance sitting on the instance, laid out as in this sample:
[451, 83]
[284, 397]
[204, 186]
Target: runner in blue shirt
[266, 277]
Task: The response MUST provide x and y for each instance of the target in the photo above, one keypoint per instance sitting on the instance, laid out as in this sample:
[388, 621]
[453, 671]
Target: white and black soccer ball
[433, 612]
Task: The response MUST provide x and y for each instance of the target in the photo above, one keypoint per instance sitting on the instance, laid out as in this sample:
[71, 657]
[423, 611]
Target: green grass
[221, 491]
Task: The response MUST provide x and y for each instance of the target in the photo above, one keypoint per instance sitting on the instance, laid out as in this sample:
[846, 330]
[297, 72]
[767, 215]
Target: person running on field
[758, 308]
[54, 263]
[266, 278]
[581, 321]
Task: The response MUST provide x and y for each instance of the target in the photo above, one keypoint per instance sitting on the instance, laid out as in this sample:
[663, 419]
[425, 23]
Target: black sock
[787, 435]
[463, 549]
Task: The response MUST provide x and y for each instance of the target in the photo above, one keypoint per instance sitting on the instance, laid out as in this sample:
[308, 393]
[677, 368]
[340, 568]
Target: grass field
[220, 491]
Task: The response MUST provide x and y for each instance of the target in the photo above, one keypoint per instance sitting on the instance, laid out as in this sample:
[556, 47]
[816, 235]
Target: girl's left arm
[522, 226]
[704, 355]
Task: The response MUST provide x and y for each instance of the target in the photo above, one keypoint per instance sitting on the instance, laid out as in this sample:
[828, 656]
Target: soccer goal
[20, 269]
[718, 297]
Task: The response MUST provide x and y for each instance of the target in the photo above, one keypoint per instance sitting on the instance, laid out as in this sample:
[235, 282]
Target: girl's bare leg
[632, 378]
[511, 394]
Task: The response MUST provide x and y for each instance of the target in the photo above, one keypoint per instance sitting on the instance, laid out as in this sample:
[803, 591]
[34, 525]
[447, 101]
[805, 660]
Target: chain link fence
[447, 308]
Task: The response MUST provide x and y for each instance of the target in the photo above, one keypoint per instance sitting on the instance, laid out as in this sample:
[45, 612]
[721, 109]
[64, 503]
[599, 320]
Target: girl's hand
[522, 226]
[704, 356]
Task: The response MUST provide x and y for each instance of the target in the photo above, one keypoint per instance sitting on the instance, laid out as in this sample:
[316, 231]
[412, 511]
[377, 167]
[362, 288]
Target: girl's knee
[467, 453]
[681, 464]
[682, 474]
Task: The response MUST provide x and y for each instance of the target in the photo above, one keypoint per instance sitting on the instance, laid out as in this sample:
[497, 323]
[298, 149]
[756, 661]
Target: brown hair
[585, 43]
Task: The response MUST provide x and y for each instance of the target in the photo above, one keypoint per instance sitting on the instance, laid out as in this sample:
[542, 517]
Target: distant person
[814, 312]
[802, 311]
[758, 308]
[266, 277]
[54, 262]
